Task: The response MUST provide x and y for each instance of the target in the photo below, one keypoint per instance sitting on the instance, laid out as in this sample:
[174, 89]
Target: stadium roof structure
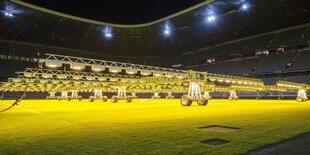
[205, 24]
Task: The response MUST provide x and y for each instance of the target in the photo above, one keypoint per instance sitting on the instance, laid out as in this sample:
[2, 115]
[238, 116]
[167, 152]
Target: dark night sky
[117, 11]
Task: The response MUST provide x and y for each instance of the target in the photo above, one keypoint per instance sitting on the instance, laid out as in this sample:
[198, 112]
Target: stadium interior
[210, 52]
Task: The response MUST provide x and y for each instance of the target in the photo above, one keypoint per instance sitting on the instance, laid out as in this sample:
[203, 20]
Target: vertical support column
[169, 96]
[281, 96]
[207, 96]
[258, 95]
[194, 94]
[74, 94]
[156, 96]
[302, 95]
[98, 94]
[233, 95]
[194, 91]
[133, 95]
[51, 96]
[64, 94]
[121, 93]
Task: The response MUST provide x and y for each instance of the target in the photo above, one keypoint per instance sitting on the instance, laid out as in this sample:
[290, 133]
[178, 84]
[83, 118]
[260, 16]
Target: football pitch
[148, 126]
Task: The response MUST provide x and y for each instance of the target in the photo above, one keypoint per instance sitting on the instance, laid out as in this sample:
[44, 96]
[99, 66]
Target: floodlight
[146, 72]
[180, 76]
[212, 80]
[244, 7]
[220, 80]
[108, 35]
[131, 71]
[167, 32]
[157, 74]
[47, 75]
[102, 79]
[169, 75]
[97, 68]
[211, 18]
[8, 14]
[77, 66]
[77, 77]
[90, 78]
[115, 69]
[53, 63]
[26, 74]
[61, 76]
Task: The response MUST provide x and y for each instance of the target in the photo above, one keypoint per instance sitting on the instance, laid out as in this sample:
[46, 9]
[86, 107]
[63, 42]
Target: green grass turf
[147, 126]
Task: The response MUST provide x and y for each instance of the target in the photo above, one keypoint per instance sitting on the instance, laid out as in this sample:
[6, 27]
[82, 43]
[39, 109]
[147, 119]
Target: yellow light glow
[180, 77]
[97, 69]
[76, 68]
[131, 72]
[212, 80]
[52, 66]
[145, 73]
[114, 71]
[220, 80]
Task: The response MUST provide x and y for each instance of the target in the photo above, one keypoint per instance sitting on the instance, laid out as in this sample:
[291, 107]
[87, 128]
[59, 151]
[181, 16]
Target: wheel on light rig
[186, 100]
[69, 98]
[128, 99]
[91, 99]
[300, 99]
[169, 97]
[80, 98]
[206, 97]
[104, 98]
[114, 99]
[233, 98]
[202, 102]
[153, 97]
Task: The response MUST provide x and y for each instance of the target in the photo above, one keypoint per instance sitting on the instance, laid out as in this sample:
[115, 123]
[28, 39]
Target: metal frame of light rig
[157, 80]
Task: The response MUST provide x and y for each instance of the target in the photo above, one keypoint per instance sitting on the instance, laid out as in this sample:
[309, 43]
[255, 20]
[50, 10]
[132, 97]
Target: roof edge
[35, 7]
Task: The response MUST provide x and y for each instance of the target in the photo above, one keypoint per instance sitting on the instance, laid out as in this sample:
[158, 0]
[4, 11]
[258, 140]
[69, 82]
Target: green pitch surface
[147, 126]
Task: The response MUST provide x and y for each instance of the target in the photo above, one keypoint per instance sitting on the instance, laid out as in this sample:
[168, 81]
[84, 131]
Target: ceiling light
[77, 66]
[244, 7]
[108, 35]
[8, 14]
[167, 32]
[211, 18]
[98, 68]
[53, 63]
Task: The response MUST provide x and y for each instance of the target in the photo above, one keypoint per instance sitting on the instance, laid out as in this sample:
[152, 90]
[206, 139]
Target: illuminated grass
[147, 127]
